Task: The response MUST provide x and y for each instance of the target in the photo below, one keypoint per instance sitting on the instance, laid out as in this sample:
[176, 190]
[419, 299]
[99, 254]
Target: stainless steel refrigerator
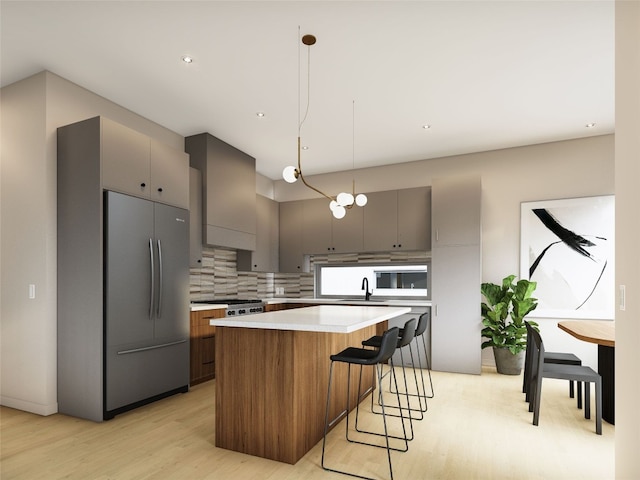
[146, 326]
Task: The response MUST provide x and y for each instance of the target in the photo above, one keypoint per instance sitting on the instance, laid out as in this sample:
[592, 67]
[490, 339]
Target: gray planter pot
[507, 363]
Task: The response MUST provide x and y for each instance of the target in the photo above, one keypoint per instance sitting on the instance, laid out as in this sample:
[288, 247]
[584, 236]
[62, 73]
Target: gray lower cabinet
[456, 274]
[456, 309]
[418, 352]
[265, 257]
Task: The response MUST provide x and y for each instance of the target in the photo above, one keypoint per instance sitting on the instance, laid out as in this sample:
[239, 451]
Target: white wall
[574, 168]
[28, 327]
[31, 112]
[627, 146]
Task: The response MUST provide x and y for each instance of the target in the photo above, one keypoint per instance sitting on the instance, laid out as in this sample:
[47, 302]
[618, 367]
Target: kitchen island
[272, 373]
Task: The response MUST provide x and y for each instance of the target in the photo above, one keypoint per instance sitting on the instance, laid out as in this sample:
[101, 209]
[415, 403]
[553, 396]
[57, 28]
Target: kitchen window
[401, 281]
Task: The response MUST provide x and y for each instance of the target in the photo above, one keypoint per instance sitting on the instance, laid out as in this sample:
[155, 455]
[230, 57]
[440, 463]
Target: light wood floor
[477, 427]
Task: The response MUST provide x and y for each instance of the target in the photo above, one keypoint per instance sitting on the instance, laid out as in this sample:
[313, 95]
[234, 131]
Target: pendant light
[338, 205]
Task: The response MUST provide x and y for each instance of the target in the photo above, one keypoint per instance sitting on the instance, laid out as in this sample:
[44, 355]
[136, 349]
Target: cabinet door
[456, 211]
[347, 233]
[265, 256]
[291, 256]
[414, 219]
[316, 230]
[195, 218]
[380, 221]
[456, 325]
[125, 159]
[169, 175]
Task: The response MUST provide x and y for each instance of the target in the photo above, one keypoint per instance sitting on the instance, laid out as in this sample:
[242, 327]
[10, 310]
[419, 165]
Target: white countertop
[351, 301]
[323, 301]
[319, 318]
[195, 307]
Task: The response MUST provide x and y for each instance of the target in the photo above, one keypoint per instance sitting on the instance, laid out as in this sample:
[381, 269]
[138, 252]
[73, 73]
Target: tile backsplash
[218, 277]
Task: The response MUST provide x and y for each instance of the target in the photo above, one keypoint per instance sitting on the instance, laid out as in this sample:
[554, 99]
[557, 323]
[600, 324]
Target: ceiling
[484, 75]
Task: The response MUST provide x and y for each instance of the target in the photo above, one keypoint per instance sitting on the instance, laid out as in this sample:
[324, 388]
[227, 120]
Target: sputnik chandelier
[344, 200]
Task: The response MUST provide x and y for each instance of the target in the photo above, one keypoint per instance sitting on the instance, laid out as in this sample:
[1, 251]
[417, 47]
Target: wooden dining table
[602, 333]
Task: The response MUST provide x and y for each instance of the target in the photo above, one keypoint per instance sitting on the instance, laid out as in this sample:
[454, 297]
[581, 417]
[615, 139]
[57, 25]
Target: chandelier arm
[314, 188]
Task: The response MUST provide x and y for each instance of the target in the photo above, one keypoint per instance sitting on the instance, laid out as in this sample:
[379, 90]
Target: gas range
[237, 306]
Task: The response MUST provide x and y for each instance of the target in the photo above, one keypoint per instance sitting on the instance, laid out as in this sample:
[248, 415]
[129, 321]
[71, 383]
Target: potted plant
[503, 313]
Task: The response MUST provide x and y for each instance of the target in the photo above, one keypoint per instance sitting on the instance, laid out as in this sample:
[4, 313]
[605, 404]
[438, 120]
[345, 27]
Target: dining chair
[549, 357]
[579, 373]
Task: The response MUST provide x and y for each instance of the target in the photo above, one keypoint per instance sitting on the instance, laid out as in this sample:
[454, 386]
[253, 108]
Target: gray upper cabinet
[265, 256]
[347, 233]
[398, 220]
[125, 159]
[291, 254]
[135, 164]
[414, 219]
[380, 221]
[456, 211]
[322, 233]
[316, 230]
[229, 191]
[195, 218]
[168, 164]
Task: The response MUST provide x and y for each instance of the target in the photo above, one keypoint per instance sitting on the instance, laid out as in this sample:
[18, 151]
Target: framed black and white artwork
[567, 246]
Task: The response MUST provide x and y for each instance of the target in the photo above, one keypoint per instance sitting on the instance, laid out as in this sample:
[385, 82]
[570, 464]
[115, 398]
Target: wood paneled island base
[271, 385]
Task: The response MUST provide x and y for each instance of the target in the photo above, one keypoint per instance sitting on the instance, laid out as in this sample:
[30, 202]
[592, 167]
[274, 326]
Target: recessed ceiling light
[305, 148]
[426, 127]
[260, 114]
[590, 125]
[187, 59]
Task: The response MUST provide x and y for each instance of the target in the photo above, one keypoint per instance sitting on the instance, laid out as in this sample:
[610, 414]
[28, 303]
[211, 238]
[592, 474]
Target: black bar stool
[423, 324]
[376, 358]
[407, 335]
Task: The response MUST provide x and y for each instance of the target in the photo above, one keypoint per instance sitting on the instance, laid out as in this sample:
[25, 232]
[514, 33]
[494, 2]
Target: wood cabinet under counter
[203, 345]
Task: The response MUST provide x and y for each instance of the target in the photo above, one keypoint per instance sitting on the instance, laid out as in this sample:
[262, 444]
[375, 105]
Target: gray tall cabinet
[94, 156]
[456, 272]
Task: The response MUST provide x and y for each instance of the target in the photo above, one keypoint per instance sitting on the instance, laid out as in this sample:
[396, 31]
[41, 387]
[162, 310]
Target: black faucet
[365, 287]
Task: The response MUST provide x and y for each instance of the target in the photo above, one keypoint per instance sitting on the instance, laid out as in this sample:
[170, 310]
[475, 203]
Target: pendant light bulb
[339, 212]
[361, 199]
[290, 174]
[345, 199]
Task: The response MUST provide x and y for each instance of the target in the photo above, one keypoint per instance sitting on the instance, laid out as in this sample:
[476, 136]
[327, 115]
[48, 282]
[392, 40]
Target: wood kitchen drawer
[202, 355]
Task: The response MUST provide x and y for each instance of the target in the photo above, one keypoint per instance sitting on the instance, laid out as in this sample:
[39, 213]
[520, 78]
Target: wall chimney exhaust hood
[228, 192]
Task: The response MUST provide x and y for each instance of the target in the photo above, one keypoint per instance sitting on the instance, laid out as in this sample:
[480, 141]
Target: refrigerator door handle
[160, 278]
[152, 292]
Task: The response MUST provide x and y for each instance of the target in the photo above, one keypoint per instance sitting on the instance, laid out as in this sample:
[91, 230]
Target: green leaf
[503, 313]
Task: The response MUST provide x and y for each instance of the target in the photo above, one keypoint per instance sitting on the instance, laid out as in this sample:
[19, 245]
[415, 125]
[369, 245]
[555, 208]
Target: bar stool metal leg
[363, 357]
